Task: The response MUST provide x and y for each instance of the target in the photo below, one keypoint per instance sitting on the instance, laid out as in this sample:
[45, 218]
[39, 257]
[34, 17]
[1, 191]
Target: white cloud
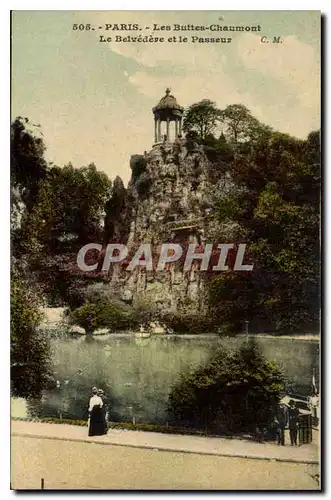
[293, 63]
[213, 84]
[108, 131]
[198, 71]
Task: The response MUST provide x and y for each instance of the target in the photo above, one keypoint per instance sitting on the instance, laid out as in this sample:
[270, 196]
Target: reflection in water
[136, 374]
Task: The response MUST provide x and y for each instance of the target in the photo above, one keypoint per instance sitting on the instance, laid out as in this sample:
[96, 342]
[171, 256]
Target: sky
[94, 100]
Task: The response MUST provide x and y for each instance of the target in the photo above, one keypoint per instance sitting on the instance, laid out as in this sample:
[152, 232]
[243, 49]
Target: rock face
[178, 195]
[176, 206]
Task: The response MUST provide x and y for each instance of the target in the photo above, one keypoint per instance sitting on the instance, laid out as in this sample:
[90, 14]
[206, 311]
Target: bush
[92, 316]
[138, 165]
[29, 349]
[188, 322]
[143, 185]
[235, 391]
[67, 421]
[155, 428]
[144, 312]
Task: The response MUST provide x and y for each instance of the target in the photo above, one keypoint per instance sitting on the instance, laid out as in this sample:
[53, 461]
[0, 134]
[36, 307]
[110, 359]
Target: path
[171, 442]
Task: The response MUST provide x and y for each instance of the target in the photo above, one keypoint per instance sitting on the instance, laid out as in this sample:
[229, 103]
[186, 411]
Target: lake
[137, 374]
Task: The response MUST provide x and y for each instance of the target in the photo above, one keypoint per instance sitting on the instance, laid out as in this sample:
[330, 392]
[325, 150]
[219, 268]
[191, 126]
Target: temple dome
[170, 112]
[168, 103]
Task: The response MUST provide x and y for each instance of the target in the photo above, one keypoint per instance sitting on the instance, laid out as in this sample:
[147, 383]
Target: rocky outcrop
[176, 205]
[179, 192]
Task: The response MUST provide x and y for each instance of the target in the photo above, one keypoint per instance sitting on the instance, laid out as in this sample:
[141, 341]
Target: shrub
[143, 185]
[234, 392]
[91, 316]
[144, 312]
[138, 165]
[188, 322]
[29, 349]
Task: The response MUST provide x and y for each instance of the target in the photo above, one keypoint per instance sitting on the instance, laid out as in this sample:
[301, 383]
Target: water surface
[137, 374]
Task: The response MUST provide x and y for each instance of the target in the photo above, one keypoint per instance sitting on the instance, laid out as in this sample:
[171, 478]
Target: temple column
[180, 126]
[167, 129]
[159, 130]
[176, 128]
[155, 130]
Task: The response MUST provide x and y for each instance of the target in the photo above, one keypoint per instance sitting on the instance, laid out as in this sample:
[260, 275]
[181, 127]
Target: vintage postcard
[165, 250]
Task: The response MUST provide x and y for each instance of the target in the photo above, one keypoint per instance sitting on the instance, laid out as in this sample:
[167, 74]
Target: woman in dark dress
[96, 425]
[104, 410]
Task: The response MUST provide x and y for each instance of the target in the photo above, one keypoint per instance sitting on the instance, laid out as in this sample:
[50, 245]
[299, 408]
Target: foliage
[29, 348]
[143, 185]
[219, 152]
[28, 166]
[156, 428]
[240, 125]
[92, 316]
[235, 391]
[69, 209]
[116, 224]
[189, 321]
[272, 204]
[276, 207]
[138, 166]
[201, 119]
[233, 295]
[68, 213]
[28, 169]
[144, 312]
[65, 421]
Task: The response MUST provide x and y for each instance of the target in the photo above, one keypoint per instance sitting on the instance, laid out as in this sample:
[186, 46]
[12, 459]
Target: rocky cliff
[172, 200]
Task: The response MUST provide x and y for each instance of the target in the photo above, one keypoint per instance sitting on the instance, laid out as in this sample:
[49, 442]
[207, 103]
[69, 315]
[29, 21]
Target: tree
[232, 298]
[138, 166]
[28, 166]
[68, 213]
[30, 372]
[144, 311]
[236, 391]
[143, 185]
[28, 169]
[240, 125]
[276, 208]
[94, 315]
[69, 210]
[201, 118]
[116, 225]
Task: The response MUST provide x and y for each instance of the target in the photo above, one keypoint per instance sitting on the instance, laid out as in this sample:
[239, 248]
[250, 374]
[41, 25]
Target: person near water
[293, 417]
[314, 404]
[280, 422]
[96, 421]
[101, 394]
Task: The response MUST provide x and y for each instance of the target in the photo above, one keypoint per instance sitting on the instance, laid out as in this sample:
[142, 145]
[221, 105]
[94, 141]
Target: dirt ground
[80, 465]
